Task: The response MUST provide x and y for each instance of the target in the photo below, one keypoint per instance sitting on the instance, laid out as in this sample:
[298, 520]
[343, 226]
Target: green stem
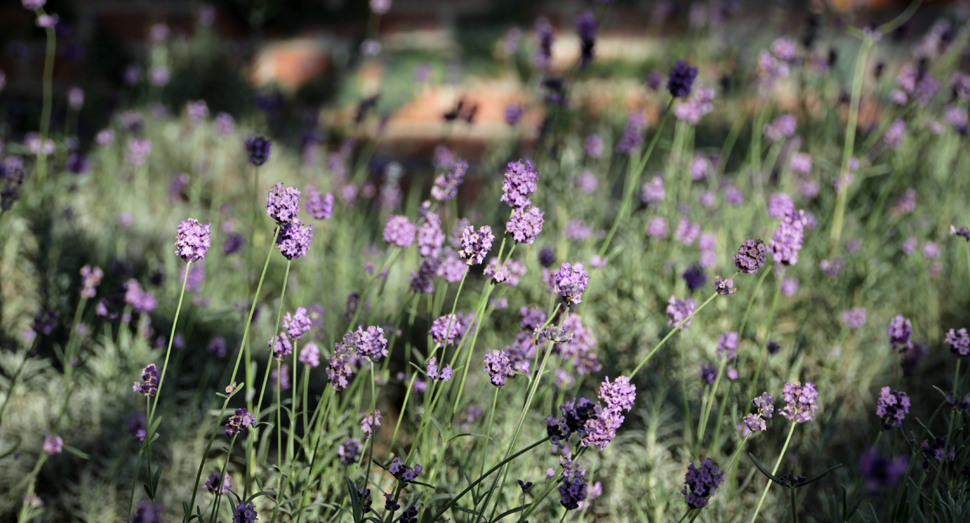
[45, 115]
[849, 145]
[235, 369]
[452, 501]
[774, 470]
[764, 343]
[633, 176]
[669, 334]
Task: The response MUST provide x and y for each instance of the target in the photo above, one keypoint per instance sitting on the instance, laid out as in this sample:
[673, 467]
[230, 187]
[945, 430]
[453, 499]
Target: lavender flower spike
[192, 240]
[475, 245]
[570, 282]
[801, 399]
[519, 183]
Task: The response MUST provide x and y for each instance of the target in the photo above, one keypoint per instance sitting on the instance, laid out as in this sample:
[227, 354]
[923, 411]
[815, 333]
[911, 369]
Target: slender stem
[633, 176]
[709, 404]
[235, 369]
[250, 383]
[764, 343]
[452, 501]
[747, 310]
[849, 145]
[45, 115]
[683, 390]
[671, 333]
[764, 494]
[13, 383]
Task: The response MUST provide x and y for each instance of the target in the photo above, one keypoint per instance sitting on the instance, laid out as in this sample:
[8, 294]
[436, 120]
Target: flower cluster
[570, 282]
[700, 483]
[573, 488]
[519, 184]
[319, 205]
[192, 240]
[281, 346]
[298, 323]
[801, 405]
[475, 244]
[283, 203]
[446, 185]
[213, 483]
[434, 373]
[787, 240]
[258, 149]
[149, 381]
[310, 355]
[368, 423]
[756, 422]
[525, 224]
[370, 343]
[959, 342]
[678, 311]
[399, 231]
[900, 334]
[403, 471]
[348, 451]
[446, 329]
[238, 422]
[724, 287]
[681, 79]
[90, 279]
[892, 407]
[751, 256]
[498, 365]
[854, 317]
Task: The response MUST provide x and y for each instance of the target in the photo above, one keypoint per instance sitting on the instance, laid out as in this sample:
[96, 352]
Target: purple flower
[422, 280]
[586, 27]
[319, 205]
[498, 366]
[678, 311]
[854, 317]
[593, 146]
[33, 5]
[695, 277]
[789, 286]
[138, 150]
[881, 473]
[895, 135]
[513, 113]
[653, 191]
[149, 381]
[77, 163]
[519, 183]
[446, 329]
[310, 355]
[700, 167]
[681, 79]
[91, 278]
[349, 450]
[403, 471]
[959, 341]
[451, 269]
[217, 347]
[339, 369]
[446, 186]
[570, 282]
[258, 149]
[892, 407]
[430, 236]
[687, 232]
[137, 426]
[701, 483]
[801, 405]
[147, 512]
[525, 224]
[618, 395]
[586, 182]
[727, 345]
[708, 374]
[53, 445]
[544, 33]
[780, 128]
[601, 430]
[297, 324]
[787, 240]
[779, 205]
[368, 423]
[475, 245]
[280, 378]
[234, 243]
[294, 238]
[695, 107]
[657, 227]
[225, 124]
[900, 334]
[281, 346]
[193, 276]
[724, 287]
[577, 230]
[962, 231]
[633, 134]
[212, 483]
[931, 250]
[370, 343]
[547, 256]
[244, 513]
[237, 423]
[573, 488]
[283, 204]
[192, 240]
